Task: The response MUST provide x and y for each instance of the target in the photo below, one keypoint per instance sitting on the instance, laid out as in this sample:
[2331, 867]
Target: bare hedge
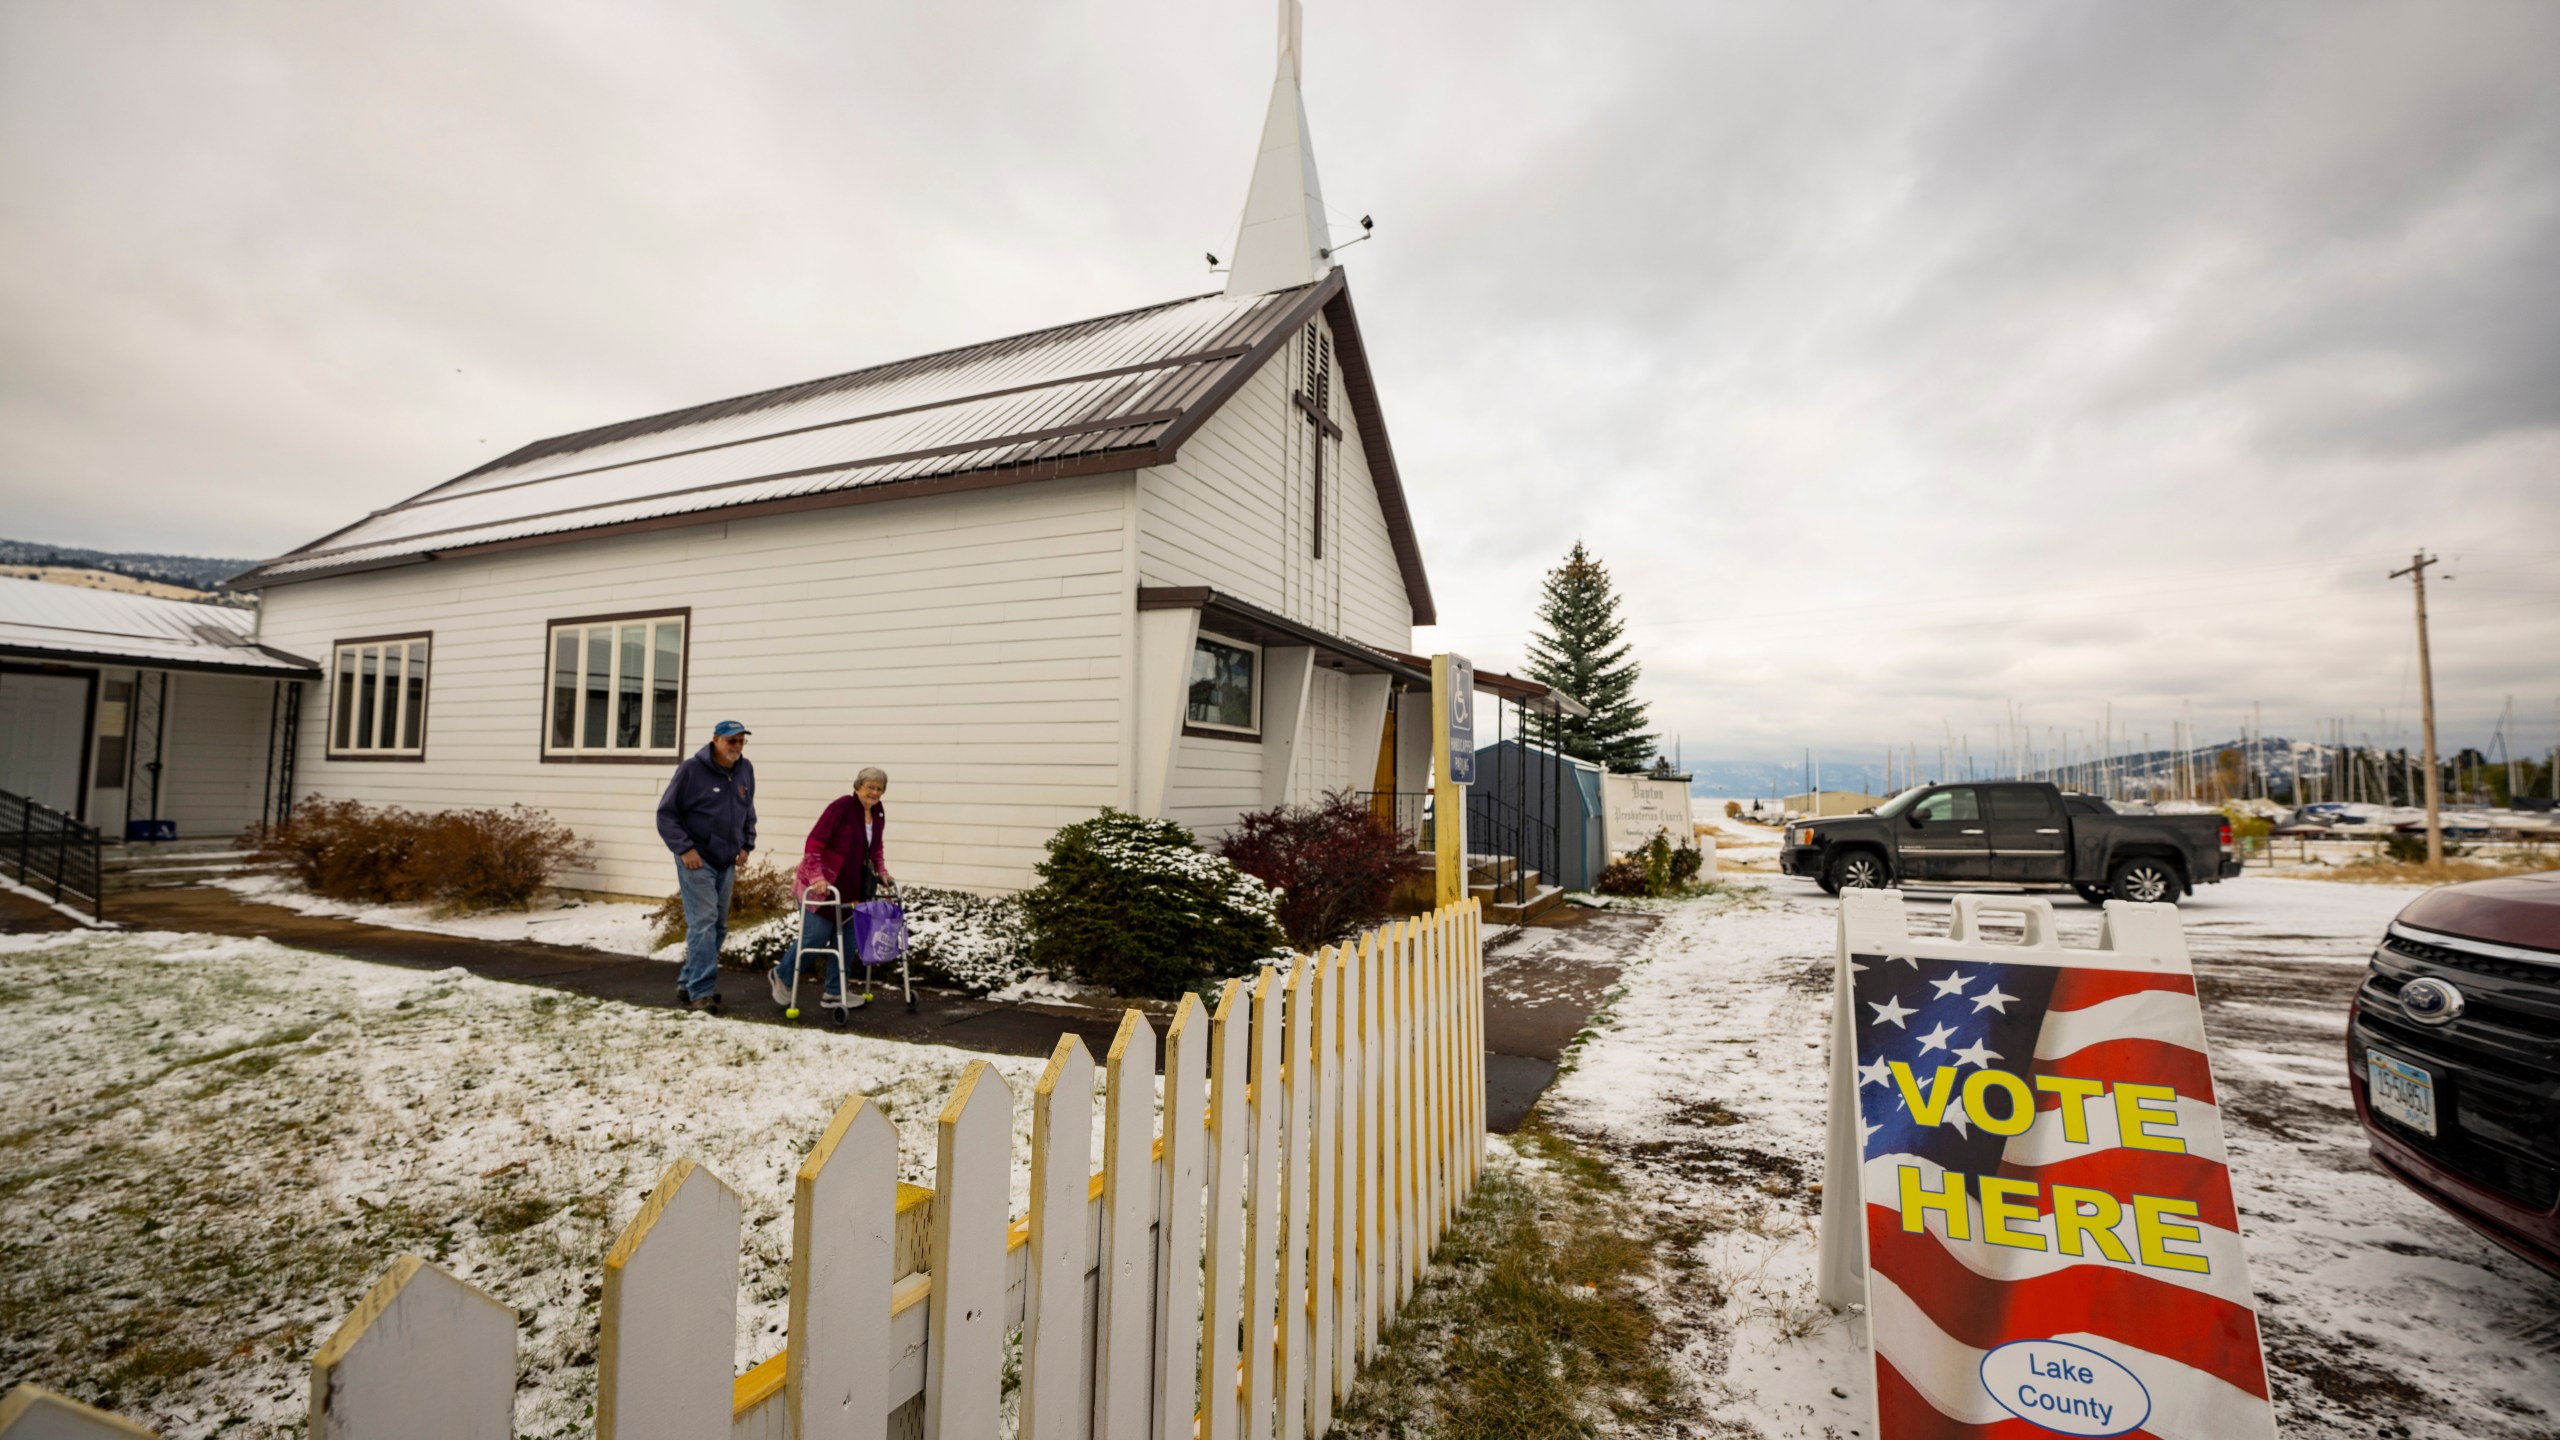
[465, 859]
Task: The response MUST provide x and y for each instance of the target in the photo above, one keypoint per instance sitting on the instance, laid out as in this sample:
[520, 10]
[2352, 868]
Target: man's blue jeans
[822, 927]
[706, 924]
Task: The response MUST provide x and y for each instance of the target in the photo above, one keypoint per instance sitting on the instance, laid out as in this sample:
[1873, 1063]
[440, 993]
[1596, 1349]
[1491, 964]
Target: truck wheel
[1856, 870]
[2094, 894]
[2149, 881]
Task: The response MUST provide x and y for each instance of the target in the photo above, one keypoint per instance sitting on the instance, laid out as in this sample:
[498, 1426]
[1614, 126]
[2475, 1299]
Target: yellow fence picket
[1324, 1086]
[1409, 1123]
[31, 1412]
[670, 1315]
[1175, 1395]
[964, 1351]
[424, 1357]
[1297, 1187]
[1125, 1309]
[1474, 951]
[843, 1241]
[1223, 1277]
[1262, 1208]
[1061, 1173]
[1377, 959]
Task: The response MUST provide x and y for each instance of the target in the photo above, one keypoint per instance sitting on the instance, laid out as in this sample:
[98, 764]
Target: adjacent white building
[1159, 560]
[142, 716]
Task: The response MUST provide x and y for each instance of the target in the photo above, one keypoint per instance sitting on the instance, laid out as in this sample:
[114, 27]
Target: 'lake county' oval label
[2067, 1388]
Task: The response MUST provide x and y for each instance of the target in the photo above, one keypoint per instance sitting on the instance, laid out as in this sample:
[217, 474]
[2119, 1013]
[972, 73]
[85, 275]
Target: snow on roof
[45, 621]
[1087, 392]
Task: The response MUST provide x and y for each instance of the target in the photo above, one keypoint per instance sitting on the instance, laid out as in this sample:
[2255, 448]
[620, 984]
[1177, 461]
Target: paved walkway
[941, 1017]
[1541, 985]
[1541, 982]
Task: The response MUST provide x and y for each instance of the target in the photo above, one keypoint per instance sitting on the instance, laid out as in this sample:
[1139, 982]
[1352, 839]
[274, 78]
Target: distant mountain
[195, 572]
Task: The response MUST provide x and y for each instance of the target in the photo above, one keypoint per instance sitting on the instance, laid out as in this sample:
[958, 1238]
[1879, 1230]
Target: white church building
[1159, 560]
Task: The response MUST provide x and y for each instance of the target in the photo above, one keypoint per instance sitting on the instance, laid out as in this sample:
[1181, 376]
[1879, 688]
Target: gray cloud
[1904, 362]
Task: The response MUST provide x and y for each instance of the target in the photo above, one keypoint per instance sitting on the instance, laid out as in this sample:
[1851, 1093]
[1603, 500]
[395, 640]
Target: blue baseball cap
[727, 728]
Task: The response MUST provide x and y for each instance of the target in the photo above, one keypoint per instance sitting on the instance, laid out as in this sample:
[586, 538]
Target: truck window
[2020, 802]
[1955, 804]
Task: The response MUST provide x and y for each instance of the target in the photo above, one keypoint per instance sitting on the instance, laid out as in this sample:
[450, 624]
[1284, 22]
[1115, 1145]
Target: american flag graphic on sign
[2051, 1243]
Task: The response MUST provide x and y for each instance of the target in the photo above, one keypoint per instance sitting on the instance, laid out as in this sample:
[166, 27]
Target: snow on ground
[619, 926]
[1708, 1083]
[217, 1145]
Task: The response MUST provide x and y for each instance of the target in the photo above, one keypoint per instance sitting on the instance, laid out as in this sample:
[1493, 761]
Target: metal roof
[1112, 393]
[44, 621]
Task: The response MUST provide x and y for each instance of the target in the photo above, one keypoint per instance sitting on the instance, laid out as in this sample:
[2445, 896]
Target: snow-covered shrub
[1334, 863]
[976, 943]
[1134, 906]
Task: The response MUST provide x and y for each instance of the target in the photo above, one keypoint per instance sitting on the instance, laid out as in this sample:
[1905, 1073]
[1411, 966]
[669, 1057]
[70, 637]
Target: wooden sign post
[2026, 1184]
[1453, 769]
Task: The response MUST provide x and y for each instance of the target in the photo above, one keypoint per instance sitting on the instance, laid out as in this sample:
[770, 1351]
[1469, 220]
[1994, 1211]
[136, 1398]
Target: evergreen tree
[1580, 648]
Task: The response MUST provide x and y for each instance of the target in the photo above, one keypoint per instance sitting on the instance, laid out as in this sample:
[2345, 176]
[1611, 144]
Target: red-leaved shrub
[1334, 863]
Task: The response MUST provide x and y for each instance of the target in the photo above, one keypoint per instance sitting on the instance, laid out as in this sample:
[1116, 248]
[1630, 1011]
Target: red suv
[2453, 1050]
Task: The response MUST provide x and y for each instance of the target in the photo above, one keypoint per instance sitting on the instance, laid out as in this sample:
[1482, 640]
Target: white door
[41, 721]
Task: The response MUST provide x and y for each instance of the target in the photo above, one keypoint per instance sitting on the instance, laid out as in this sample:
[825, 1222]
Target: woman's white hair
[871, 772]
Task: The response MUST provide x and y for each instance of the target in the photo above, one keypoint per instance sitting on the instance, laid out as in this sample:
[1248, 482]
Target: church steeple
[1283, 238]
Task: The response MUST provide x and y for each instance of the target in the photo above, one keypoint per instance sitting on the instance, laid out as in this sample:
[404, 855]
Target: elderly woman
[844, 851]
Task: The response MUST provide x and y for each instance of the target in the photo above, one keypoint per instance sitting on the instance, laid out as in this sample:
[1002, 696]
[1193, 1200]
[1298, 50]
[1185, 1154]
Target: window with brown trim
[378, 697]
[614, 688]
[1226, 686]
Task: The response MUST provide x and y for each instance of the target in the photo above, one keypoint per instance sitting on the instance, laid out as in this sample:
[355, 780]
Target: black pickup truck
[2012, 833]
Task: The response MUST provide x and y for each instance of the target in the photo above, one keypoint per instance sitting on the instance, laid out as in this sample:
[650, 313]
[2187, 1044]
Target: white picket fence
[1226, 1279]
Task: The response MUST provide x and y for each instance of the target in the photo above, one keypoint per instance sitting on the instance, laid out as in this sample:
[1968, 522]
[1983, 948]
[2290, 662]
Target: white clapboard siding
[1175, 1394]
[424, 1357]
[670, 1315]
[964, 1354]
[1061, 1171]
[1225, 1280]
[1222, 1278]
[1233, 511]
[993, 627]
[1297, 1191]
[1126, 1261]
[1324, 1071]
[1262, 1210]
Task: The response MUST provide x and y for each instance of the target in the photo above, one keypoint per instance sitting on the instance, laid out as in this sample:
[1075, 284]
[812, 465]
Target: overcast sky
[1903, 361]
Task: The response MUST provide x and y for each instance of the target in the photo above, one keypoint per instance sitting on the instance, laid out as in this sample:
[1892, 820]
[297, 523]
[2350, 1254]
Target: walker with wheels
[879, 931]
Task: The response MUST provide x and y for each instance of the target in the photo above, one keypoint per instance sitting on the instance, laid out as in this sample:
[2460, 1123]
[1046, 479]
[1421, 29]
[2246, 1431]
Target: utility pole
[2417, 573]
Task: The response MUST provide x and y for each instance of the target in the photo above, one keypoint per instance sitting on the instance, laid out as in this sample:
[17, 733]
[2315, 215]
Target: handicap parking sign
[1462, 721]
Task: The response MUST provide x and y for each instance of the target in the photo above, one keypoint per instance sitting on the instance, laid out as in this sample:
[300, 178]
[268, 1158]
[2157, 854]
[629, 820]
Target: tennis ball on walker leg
[791, 1014]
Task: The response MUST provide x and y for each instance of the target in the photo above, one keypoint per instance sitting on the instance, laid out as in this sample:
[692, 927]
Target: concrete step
[1522, 881]
[1540, 901]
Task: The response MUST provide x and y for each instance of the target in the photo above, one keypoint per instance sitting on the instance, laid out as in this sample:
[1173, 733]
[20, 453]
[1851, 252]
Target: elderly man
[708, 819]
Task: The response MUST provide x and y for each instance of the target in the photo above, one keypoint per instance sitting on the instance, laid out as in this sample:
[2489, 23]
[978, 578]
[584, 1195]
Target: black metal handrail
[50, 850]
[1498, 828]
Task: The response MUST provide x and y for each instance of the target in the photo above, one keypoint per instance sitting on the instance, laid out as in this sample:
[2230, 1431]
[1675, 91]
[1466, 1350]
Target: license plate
[2401, 1090]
